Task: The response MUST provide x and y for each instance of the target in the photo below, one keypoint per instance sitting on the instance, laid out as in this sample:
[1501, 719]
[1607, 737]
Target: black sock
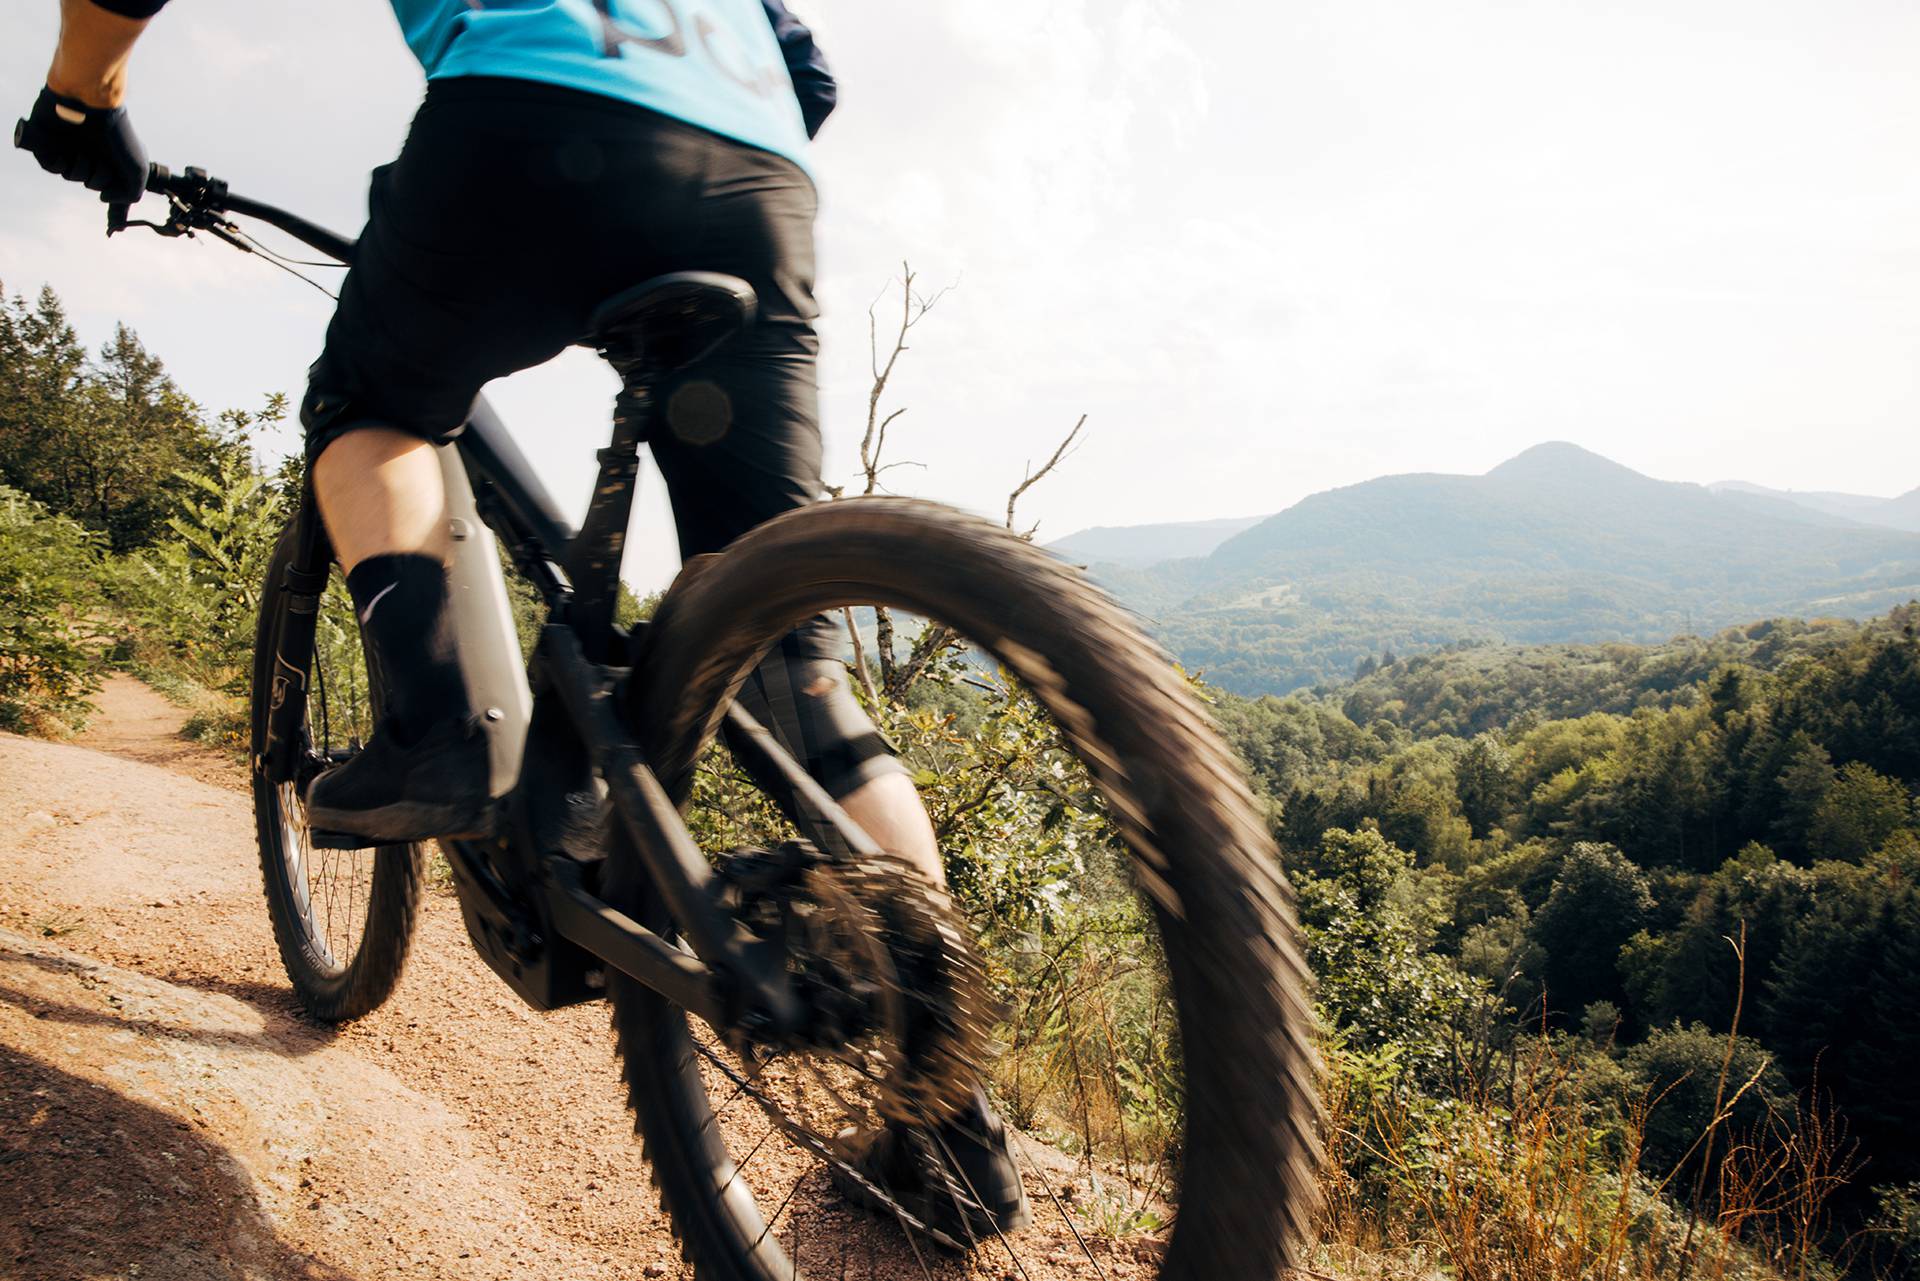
[401, 600]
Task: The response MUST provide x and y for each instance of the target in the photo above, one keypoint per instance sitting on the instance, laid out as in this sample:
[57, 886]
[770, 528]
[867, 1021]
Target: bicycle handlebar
[198, 198]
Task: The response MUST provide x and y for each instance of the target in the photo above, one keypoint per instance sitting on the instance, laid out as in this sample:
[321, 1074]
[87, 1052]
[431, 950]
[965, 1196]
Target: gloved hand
[93, 145]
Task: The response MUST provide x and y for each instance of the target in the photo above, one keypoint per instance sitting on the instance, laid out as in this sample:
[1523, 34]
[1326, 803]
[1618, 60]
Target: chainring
[941, 984]
[872, 932]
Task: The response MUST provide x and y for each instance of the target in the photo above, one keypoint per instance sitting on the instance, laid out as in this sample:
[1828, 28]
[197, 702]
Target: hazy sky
[1267, 248]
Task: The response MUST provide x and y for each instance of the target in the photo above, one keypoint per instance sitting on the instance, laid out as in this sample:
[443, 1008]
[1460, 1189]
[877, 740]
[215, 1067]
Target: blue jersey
[712, 63]
[721, 64]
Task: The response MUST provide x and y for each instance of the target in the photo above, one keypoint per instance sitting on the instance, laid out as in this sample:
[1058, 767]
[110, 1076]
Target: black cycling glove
[94, 145]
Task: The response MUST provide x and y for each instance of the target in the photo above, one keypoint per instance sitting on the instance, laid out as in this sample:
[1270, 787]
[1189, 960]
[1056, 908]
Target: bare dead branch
[933, 641]
[914, 307]
[1033, 478]
[860, 660]
[883, 644]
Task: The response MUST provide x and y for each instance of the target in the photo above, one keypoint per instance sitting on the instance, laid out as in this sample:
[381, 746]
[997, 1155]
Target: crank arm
[677, 869]
[630, 947]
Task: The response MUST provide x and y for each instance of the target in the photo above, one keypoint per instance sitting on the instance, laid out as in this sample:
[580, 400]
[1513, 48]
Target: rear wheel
[1241, 1191]
[343, 919]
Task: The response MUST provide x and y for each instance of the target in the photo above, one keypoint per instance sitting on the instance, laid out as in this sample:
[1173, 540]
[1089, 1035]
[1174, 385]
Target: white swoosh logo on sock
[367, 613]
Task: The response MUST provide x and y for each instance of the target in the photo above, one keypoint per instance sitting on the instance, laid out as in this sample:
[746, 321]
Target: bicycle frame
[531, 906]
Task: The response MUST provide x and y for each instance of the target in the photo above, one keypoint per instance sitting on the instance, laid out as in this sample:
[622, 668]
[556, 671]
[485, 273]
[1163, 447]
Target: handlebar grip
[158, 177]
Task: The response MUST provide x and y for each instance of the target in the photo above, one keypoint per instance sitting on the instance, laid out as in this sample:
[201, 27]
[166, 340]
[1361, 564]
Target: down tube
[490, 658]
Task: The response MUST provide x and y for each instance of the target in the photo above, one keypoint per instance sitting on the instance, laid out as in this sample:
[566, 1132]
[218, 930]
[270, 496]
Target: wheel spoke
[933, 1133]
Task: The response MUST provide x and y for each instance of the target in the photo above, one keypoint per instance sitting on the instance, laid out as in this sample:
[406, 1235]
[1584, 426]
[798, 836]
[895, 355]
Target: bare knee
[380, 492]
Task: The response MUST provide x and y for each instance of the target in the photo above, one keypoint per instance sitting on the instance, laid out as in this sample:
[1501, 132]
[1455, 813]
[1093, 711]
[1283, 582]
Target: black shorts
[513, 210]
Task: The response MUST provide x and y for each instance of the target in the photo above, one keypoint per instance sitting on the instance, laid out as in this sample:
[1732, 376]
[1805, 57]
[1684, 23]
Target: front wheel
[1240, 1187]
[343, 919]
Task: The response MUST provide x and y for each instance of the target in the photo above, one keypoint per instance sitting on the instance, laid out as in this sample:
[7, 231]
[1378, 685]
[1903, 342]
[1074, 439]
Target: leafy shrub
[194, 596]
[48, 571]
[1695, 1079]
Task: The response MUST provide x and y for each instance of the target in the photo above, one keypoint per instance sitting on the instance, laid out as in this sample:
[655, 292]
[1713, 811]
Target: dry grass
[1525, 1178]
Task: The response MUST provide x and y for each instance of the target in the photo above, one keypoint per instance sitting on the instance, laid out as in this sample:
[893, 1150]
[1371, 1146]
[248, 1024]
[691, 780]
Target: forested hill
[1895, 513]
[1555, 545]
[1468, 689]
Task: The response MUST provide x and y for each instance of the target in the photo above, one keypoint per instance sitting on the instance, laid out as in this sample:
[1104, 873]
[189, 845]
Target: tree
[1380, 981]
[934, 642]
[1482, 780]
[1756, 896]
[1844, 1007]
[100, 442]
[48, 567]
[1858, 812]
[1801, 785]
[1598, 901]
[42, 369]
[198, 591]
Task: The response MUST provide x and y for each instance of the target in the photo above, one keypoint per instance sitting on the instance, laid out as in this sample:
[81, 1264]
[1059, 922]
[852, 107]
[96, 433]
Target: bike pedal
[338, 840]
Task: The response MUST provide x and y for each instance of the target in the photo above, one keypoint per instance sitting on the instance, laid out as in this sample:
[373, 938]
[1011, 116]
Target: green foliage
[1708, 830]
[1466, 689]
[48, 579]
[1896, 1228]
[1381, 985]
[196, 594]
[1859, 813]
[1842, 1006]
[1679, 1071]
[1737, 924]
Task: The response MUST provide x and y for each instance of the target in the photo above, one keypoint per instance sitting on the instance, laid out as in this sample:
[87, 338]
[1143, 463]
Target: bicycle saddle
[671, 321]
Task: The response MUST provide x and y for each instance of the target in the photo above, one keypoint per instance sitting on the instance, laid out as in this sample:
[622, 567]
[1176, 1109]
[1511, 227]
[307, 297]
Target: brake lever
[117, 221]
[180, 220]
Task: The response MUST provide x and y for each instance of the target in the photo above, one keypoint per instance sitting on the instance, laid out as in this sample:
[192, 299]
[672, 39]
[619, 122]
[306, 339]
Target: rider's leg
[425, 771]
[385, 507]
[381, 493]
[888, 809]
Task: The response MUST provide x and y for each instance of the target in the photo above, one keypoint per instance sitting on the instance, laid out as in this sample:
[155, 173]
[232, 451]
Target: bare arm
[90, 62]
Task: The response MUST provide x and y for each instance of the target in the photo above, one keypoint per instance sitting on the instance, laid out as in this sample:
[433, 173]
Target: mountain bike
[818, 964]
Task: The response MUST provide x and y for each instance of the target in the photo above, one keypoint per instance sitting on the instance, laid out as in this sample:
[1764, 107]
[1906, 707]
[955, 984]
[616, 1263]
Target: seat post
[657, 328]
[593, 558]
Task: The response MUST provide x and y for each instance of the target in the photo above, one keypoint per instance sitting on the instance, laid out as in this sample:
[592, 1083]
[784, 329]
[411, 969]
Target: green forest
[1686, 872]
[1618, 946]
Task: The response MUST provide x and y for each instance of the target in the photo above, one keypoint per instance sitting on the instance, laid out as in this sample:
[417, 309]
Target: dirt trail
[166, 1111]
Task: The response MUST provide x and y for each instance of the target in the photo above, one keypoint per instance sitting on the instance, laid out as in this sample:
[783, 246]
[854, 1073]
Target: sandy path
[167, 1112]
[134, 722]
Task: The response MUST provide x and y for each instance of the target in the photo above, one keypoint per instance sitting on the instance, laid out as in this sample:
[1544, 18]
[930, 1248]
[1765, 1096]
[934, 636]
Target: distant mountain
[1894, 513]
[1139, 546]
[1555, 545]
[1902, 512]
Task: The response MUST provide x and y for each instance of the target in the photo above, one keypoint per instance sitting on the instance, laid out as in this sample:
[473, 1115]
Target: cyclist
[564, 151]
